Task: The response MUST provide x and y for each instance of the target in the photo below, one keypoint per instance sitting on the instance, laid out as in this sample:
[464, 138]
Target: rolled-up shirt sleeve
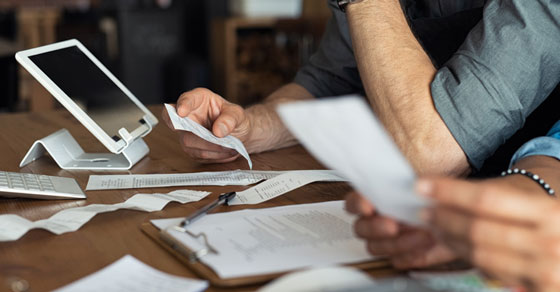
[332, 69]
[507, 66]
[547, 146]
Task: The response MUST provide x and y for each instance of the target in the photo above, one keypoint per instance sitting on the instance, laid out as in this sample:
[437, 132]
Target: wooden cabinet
[252, 57]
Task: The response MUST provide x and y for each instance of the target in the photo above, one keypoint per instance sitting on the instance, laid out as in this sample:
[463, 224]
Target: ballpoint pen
[223, 199]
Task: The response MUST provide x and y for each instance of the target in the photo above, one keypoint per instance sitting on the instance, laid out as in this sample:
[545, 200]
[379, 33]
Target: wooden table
[48, 261]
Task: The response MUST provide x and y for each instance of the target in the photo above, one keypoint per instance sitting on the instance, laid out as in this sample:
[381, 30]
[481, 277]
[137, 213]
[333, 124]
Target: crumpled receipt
[186, 124]
[12, 226]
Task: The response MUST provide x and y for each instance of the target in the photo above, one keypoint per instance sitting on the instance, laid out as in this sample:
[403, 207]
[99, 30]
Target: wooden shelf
[251, 57]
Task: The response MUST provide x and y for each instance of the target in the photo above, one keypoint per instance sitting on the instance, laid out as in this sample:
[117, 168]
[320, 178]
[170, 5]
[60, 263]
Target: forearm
[267, 130]
[396, 73]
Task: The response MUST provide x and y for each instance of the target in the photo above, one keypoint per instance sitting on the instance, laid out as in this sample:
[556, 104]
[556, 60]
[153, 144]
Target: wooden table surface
[47, 261]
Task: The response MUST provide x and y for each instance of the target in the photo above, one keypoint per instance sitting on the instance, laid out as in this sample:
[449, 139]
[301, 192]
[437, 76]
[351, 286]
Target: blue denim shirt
[547, 146]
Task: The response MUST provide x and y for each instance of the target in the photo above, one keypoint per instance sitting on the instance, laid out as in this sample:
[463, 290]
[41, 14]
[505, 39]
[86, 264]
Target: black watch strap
[343, 3]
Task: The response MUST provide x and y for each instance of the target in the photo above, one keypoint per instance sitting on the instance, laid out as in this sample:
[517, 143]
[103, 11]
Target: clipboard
[185, 255]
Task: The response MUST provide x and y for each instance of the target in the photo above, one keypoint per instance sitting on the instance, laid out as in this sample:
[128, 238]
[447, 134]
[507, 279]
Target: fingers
[406, 242]
[358, 205]
[190, 141]
[376, 227]
[514, 254]
[204, 151]
[503, 264]
[199, 99]
[211, 157]
[230, 117]
[488, 198]
[481, 231]
[213, 112]
[424, 257]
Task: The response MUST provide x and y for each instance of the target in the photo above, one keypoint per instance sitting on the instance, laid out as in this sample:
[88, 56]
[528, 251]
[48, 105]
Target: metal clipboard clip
[180, 247]
[192, 255]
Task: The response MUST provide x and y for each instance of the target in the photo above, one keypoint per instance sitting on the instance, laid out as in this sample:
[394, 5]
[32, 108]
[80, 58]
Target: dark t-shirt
[497, 62]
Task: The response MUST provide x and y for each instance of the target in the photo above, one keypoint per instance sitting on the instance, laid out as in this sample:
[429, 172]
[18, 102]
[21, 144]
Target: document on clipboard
[265, 243]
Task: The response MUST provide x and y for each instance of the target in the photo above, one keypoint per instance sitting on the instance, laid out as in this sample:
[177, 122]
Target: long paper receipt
[282, 184]
[130, 274]
[12, 227]
[344, 134]
[213, 178]
[186, 124]
[263, 241]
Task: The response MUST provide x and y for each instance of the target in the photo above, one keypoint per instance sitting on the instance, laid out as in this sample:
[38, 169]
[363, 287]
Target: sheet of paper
[12, 227]
[216, 178]
[282, 184]
[186, 124]
[344, 134]
[130, 274]
[262, 241]
[327, 279]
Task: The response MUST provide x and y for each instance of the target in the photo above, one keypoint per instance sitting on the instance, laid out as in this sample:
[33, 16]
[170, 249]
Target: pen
[223, 199]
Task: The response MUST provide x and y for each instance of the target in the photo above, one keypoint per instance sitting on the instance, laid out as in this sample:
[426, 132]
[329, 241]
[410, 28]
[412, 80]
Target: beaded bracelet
[532, 176]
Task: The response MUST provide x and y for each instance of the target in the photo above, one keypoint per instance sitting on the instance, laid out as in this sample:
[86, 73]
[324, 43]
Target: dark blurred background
[242, 49]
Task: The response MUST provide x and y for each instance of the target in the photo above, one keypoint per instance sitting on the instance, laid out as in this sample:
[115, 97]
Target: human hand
[506, 231]
[407, 247]
[216, 114]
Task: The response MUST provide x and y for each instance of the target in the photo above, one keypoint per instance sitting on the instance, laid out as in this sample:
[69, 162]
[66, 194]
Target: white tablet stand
[68, 154]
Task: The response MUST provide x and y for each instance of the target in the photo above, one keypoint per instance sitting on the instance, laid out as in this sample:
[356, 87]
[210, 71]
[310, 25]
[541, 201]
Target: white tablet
[90, 92]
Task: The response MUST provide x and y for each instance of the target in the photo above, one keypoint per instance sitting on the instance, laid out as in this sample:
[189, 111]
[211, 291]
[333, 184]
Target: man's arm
[267, 130]
[396, 73]
[258, 126]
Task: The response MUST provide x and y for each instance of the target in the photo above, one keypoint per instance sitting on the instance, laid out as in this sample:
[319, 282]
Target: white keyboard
[29, 185]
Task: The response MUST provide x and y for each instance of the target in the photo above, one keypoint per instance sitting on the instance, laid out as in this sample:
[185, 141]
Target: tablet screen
[75, 74]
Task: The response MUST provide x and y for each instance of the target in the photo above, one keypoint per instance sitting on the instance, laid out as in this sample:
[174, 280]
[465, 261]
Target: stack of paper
[272, 240]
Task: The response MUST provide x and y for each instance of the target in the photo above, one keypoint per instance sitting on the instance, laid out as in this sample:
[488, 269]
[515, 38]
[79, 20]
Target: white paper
[344, 134]
[282, 184]
[186, 124]
[327, 279]
[215, 178]
[130, 274]
[12, 227]
[271, 240]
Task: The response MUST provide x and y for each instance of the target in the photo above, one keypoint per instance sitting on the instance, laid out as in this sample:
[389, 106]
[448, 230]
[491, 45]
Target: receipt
[282, 184]
[344, 134]
[12, 227]
[189, 125]
[215, 178]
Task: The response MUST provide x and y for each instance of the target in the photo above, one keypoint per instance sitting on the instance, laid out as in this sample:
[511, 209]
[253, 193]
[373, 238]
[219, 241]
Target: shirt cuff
[547, 146]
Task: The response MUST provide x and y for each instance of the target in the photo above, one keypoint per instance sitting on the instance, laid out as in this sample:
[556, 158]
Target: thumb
[230, 118]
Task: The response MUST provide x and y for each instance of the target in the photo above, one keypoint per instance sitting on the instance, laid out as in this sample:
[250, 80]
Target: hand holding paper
[344, 134]
[186, 124]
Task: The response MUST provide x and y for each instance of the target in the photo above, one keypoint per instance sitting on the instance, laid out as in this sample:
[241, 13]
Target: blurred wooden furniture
[251, 57]
[37, 22]
[37, 27]
[47, 261]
